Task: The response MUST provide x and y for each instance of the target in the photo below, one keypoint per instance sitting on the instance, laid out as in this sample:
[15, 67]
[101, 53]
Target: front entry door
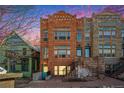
[44, 71]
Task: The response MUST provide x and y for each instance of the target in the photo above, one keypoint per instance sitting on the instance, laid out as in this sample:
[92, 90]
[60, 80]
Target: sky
[45, 10]
[78, 10]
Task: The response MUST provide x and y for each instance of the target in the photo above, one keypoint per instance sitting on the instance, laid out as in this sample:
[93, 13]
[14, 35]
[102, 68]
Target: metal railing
[72, 73]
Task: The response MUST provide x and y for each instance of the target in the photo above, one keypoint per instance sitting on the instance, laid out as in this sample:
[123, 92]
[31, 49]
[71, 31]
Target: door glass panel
[45, 68]
[87, 52]
[79, 52]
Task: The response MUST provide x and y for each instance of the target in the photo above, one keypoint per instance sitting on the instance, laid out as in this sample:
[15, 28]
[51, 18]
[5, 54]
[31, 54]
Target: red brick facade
[60, 20]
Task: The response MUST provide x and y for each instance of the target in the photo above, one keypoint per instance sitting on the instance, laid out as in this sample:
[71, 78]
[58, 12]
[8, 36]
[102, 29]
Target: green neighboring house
[18, 55]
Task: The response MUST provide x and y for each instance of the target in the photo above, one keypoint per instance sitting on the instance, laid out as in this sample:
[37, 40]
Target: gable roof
[22, 38]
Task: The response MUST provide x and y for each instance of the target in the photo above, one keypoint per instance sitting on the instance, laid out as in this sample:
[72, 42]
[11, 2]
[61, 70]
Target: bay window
[62, 51]
[62, 35]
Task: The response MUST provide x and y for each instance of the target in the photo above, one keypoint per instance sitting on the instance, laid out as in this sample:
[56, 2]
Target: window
[62, 35]
[107, 46]
[100, 46]
[107, 52]
[45, 35]
[62, 51]
[87, 51]
[100, 52]
[61, 70]
[113, 49]
[113, 34]
[122, 34]
[79, 51]
[87, 36]
[100, 34]
[113, 45]
[68, 35]
[107, 34]
[24, 51]
[55, 70]
[79, 36]
[45, 53]
[113, 52]
[25, 64]
[108, 23]
[68, 69]
[106, 28]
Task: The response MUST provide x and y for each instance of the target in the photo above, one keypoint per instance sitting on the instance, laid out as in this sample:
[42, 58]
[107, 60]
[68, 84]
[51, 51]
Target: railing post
[97, 59]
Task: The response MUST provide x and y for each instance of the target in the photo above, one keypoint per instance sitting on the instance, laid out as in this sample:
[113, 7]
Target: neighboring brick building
[107, 34]
[107, 41]
[122, 36]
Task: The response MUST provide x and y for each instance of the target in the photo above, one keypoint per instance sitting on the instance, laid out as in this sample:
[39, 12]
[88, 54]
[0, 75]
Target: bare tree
[17, 18]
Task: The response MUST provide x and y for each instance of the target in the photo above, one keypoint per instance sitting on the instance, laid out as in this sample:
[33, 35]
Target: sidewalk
[107, 82]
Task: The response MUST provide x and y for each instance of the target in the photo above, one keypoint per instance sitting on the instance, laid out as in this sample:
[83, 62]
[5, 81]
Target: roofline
[20, 37]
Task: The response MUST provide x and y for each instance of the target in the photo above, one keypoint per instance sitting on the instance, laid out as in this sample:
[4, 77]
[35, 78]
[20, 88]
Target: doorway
[87, 51]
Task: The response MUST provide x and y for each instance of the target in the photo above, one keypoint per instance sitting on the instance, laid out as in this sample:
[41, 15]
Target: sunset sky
[78, 10]
[45, 10]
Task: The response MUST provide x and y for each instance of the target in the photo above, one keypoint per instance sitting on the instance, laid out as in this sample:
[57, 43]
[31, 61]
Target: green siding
[11, 43]
[18, 67]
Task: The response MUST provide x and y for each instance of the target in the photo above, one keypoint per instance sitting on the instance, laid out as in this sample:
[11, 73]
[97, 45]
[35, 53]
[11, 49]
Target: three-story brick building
[62, 41]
